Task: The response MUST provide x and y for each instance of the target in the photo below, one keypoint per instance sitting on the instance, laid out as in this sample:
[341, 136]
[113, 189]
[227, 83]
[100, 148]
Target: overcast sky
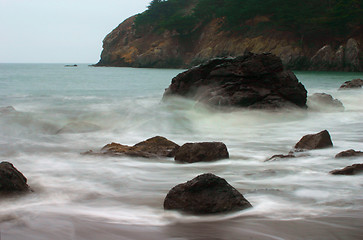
[63, 31]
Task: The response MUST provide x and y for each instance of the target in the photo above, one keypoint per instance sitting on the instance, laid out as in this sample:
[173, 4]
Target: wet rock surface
[201, 152]
[315, 141]
[256, 81]
[11, 180]
[152, 147]
[355, 83]
[324, 102]
[205, 194]
[349, 153]
[349, 170]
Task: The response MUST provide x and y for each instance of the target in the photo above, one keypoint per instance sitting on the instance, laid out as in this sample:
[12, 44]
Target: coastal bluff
[126, 46]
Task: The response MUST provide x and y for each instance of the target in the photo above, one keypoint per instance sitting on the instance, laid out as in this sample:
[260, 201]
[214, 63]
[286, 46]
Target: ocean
[61, 112]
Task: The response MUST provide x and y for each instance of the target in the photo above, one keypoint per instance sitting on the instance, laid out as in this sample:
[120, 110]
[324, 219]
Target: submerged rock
[8, 109]
[11, 180]
[205, 194]
[349, 153]
[315, 141]
[355, 83]
[254, 80]
[324, 102]
[79, 127]
[349, 170]
[280, 156]
[152, 147]
[201, 152]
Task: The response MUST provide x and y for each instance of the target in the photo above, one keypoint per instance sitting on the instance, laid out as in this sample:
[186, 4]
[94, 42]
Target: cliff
[131, 46]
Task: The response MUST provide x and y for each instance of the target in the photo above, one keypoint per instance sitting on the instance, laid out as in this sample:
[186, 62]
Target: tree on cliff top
[304, 18]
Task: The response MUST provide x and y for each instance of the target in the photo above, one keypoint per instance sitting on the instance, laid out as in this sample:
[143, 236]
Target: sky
[60, 31]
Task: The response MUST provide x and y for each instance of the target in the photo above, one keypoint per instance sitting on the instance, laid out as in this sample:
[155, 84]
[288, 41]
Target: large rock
[324, 102]
[349, 170]
[252, 80]
[201, 152]
[205, 194]
[349, 153]
[152, 147]
[351, 56]
[315, 141]
[355, 83]
[11, 180]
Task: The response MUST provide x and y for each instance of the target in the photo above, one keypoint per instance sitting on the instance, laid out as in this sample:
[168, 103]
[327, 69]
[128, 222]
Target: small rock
[349, 170]
[355, 83]
[323, 101]
[11, 180]
[79, 127]
[152, 147]
[8, 109]
[315, 141]
[279, 156]
[349, 153]
[205, 194]
[201, 152]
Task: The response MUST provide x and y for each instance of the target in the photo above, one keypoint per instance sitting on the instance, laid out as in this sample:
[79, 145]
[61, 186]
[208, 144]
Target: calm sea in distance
[61, 112]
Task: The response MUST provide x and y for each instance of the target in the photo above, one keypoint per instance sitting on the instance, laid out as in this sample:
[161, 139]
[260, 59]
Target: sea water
[123, 105]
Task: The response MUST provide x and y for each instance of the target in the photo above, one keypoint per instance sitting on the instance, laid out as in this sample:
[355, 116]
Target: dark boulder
[349, 153]
[355, 83]
[205, 194]
[349, 170]
[315, 141]
[152, 147]
[201, 152]
[324, 102]
[11, 180]
[254, 80]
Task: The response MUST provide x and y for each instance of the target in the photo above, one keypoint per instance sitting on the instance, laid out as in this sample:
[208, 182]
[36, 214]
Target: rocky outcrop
[152, 147]
[324, 102]
[201, 152]
[315, 141]
[355, 83]
[205, 194]
[126, 47]
[349, 170]
[347, 57]
[255, 81]
[349, 153]
[11, 180]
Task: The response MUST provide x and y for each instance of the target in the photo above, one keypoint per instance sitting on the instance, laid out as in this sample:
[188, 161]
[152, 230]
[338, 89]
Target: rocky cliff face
[124, 47]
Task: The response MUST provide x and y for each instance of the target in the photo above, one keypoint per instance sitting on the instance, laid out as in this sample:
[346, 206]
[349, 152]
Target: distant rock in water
[79, 127]
[152, 147]
[324, 102]
[315, 141]
[255, 81]
[8, 109]
[201, 152]
[355, 83]
[349, 170]
[205, 194]
[74, 65]
[349, 153]
[11, 180]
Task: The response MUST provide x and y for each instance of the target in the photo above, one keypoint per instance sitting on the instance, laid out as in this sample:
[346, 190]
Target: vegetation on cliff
[309, 18]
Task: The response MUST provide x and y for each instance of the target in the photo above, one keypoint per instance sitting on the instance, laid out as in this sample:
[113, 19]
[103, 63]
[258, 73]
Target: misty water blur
[62, 112]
